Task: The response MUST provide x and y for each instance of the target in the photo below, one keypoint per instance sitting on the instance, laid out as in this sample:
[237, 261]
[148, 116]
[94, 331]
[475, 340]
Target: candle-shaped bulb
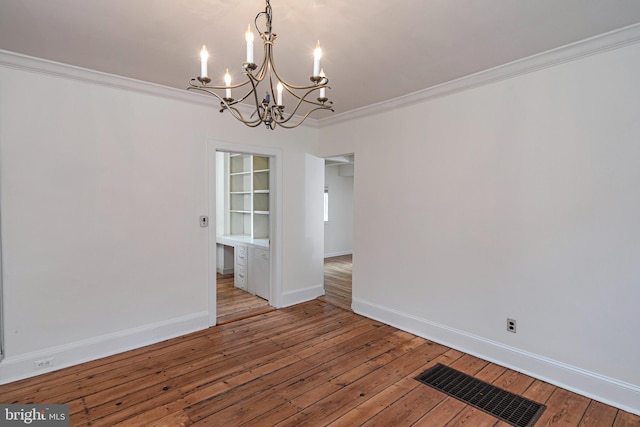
[322, 89]
[204, 57]
[280, 88]
[249, 38]
[317, 54]
[227, 82]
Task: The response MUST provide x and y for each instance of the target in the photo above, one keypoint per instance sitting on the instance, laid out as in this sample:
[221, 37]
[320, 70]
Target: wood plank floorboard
[235, 304]
[337, 281]
[313, 364]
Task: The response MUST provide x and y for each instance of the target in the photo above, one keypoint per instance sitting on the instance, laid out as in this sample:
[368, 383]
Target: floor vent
[506, 406]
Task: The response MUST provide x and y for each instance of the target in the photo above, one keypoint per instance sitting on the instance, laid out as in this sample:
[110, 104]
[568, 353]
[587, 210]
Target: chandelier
[270, 108]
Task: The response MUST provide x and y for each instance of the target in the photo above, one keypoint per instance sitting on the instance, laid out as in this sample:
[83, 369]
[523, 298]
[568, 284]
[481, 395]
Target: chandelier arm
[250, 79]
[261, 108]
[303, 99]
[238, 115]
[273, 93]
[251, 123]
[223, 104]
[261, 73]
[204, 89]
[306, 94]
[229, 106]
[195, 84]
[319, 85]
[302, 119]
[283, 121]
[198, 85]
[207, 89]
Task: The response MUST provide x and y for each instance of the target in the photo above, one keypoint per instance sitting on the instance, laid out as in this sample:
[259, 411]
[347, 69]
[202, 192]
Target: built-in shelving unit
[248, 195]
[242, 199]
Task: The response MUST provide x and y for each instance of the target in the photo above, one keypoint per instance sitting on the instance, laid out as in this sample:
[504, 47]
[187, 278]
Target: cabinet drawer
[240, 277]
[241, 255]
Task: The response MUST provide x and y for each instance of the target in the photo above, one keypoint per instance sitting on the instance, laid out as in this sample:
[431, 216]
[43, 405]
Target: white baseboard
[23, 366]
[590, 384]
[302, 295]
[332, 254]
[220, 270]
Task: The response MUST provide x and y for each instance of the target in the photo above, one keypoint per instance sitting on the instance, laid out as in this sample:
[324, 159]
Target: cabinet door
[241, 255]
[240, 277]
[240, 267]
[259, 277]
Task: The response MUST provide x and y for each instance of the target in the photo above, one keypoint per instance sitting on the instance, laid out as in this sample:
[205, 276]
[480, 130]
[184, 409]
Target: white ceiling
[374, 50]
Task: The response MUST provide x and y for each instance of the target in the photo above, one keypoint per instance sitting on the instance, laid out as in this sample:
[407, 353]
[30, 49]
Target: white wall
[515, 199]
[101, 191]
[338, 231]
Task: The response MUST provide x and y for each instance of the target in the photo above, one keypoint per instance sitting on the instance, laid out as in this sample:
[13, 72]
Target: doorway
[242, 249]
[338, 230]
[245, 203]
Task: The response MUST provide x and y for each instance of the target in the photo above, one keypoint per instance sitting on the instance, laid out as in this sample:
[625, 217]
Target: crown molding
[43, 66]
[571, 52]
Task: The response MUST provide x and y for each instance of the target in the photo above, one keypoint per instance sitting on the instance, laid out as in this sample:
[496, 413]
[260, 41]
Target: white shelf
[248, 195]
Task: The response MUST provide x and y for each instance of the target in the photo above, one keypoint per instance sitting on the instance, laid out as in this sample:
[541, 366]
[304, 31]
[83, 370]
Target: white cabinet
[243, 201]
[259, 277]
[240, 268]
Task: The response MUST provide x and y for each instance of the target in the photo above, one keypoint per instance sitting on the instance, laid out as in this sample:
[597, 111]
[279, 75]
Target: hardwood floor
[337, 281]
[312, 364]
[235, 304]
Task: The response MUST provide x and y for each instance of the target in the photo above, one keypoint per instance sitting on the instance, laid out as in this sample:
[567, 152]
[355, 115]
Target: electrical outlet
[44, 363]
[511, 325]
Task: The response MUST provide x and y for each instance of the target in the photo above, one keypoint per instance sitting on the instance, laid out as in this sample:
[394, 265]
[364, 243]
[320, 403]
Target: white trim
[212, 255]
[591, 46]
[593, 385]
[22, 62]
[573, 51]
[20, 367]
[332, 254]
[57, 69]
[275, 225]
[302, 295]
[227, 271]
[2, 311]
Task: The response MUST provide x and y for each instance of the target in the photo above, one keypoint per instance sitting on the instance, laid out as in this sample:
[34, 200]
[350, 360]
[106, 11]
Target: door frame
[1, 297]
[353, 161]
[275, 218]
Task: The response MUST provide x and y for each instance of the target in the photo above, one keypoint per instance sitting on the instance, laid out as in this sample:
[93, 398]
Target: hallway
[337, 281]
